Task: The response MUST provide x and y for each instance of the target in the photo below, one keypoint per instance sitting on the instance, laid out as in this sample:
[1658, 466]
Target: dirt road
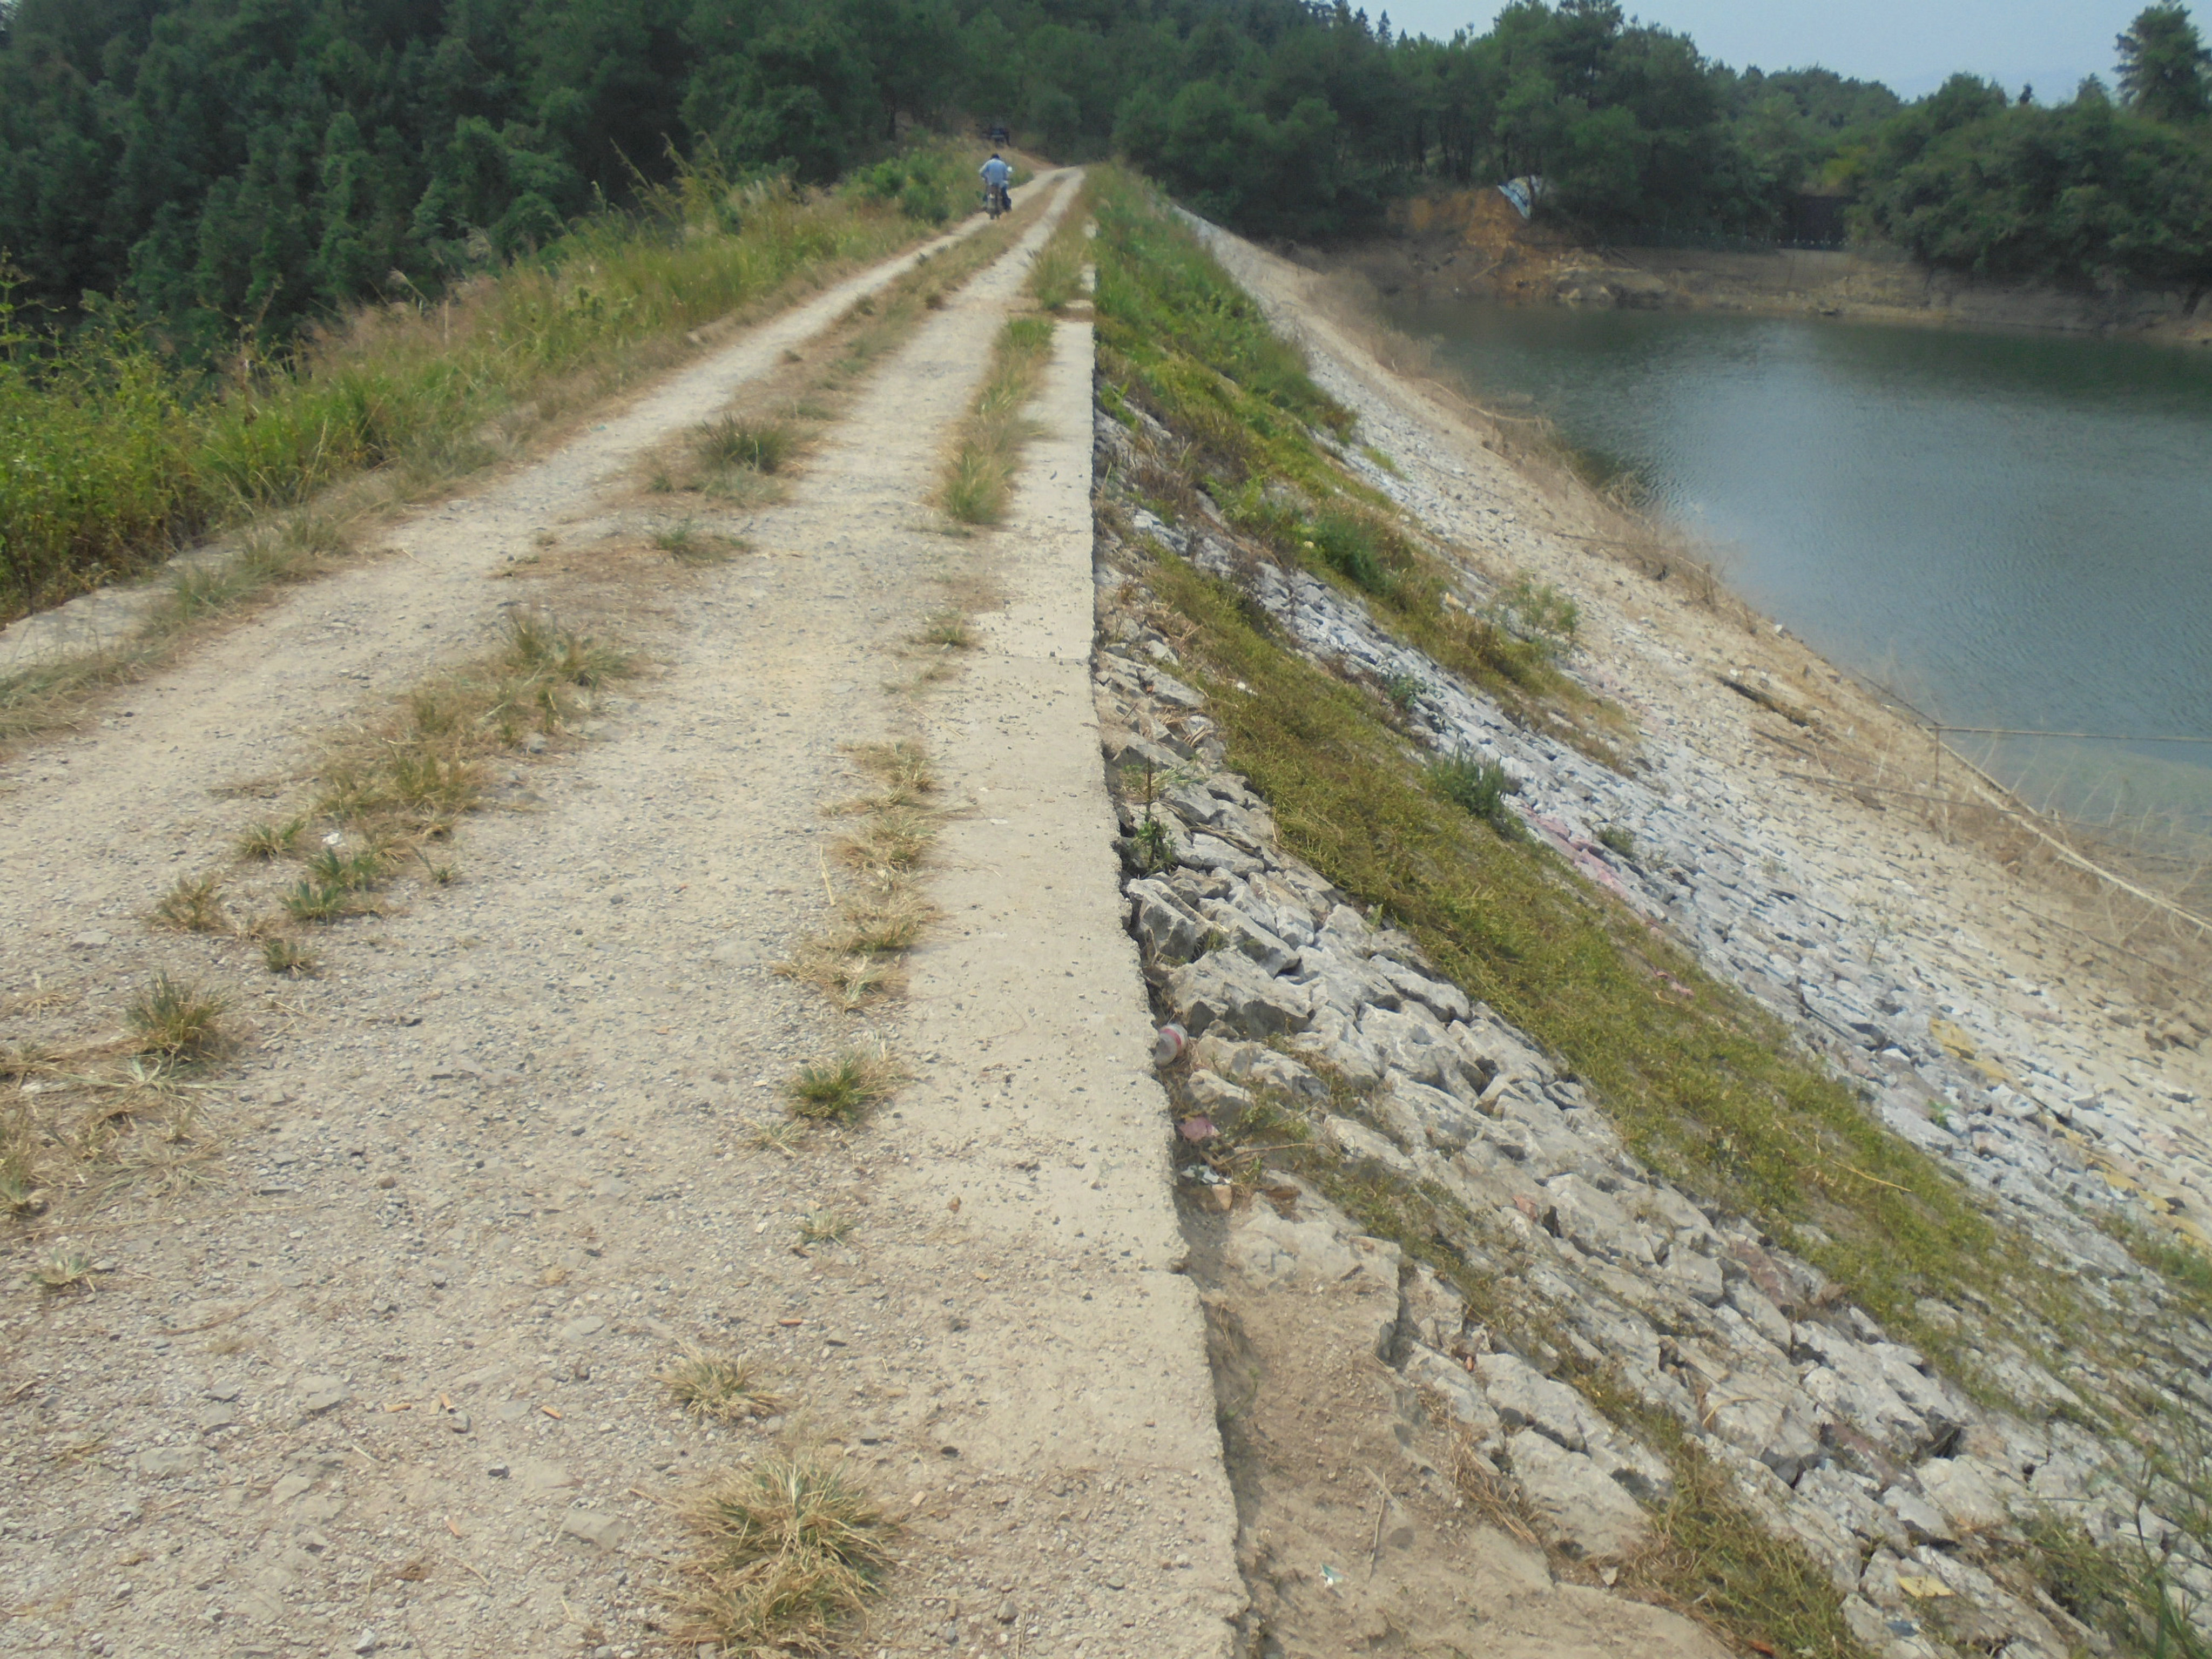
[383, 1379]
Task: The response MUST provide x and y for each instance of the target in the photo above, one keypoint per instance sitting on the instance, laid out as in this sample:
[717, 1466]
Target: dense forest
[215, 164]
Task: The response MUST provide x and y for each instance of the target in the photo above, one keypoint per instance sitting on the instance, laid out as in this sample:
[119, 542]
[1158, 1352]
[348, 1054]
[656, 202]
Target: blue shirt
[996, 172]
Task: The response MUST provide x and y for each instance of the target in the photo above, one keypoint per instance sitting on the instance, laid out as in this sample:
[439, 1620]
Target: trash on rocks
[1167, 1047]
[1198, 1128]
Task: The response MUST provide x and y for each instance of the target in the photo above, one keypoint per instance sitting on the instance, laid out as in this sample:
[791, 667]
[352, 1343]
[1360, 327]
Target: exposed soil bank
[1473, 244]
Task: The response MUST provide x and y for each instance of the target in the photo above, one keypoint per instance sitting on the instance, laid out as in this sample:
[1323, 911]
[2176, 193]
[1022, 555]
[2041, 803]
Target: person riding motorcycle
[996, 176]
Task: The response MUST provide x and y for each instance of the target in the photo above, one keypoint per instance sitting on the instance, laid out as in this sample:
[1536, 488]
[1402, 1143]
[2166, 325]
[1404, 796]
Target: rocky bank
[1912, 1495]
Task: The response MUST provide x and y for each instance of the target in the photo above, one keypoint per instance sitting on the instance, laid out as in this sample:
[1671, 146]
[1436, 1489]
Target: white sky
[1912, 45]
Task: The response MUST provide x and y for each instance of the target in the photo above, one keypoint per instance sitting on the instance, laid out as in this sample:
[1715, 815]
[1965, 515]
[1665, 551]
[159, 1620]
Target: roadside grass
[43, 696]
[1179, 340]
[1056, 279]
[116, 459]
[719, 1388]
[785, 1553]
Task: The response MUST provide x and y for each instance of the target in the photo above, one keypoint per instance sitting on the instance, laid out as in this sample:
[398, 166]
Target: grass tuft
[949, 629]
[270, 842]
[826, 1227]
[177, 1018]
[687, 543]
[853, 981]
[194, 905]
[889, 920]
[892, 842]
[538, 648]
[787, 1552]
[840, 1088]
[901, 767]
[719, 1387]
[287, 956]
[748, 446]
[59, 1272]
[315, 900]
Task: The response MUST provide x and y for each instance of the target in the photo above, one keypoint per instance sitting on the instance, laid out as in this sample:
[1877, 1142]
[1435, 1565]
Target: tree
[2162, 65]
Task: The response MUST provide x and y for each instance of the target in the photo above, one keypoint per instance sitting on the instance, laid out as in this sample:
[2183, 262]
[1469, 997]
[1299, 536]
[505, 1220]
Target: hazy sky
[1910, 44]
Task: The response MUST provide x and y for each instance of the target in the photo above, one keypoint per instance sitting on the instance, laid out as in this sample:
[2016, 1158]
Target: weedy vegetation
[1180, 342]
[59, 1272]
[287, 957]
[979, 479]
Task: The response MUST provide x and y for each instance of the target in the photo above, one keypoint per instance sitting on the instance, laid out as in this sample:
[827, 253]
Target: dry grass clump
[844, 1085]
[23, 1189]
[826, 1227]
[410, 776]
[889, 920]
[176, 1018]
[719, 1388]
[901, 767]
[892, 840]
[787, 1552]
[851, 980]
[948, 630]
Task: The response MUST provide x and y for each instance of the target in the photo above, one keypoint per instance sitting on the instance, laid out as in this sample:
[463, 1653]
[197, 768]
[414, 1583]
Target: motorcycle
[997, 200]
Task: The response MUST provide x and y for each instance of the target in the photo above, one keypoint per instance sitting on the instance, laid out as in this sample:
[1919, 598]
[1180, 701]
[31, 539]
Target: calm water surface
[2010, 531]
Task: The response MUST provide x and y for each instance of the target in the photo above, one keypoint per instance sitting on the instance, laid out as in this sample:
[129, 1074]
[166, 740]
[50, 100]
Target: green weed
[752, 446]
[280, 955]
[844, 1085]
[270, 841]
[1477, 786]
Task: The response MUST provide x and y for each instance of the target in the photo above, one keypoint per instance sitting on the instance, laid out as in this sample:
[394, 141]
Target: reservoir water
[2008, 532]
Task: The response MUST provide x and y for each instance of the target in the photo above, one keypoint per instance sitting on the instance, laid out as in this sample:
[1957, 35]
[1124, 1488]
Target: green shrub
[1479, 786]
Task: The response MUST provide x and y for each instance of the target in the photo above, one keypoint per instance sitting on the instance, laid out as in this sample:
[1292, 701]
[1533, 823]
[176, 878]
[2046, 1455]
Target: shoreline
[1470, 244]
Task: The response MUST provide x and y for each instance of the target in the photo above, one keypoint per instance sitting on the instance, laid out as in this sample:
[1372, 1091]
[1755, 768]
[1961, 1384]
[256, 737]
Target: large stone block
[1228, 990]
